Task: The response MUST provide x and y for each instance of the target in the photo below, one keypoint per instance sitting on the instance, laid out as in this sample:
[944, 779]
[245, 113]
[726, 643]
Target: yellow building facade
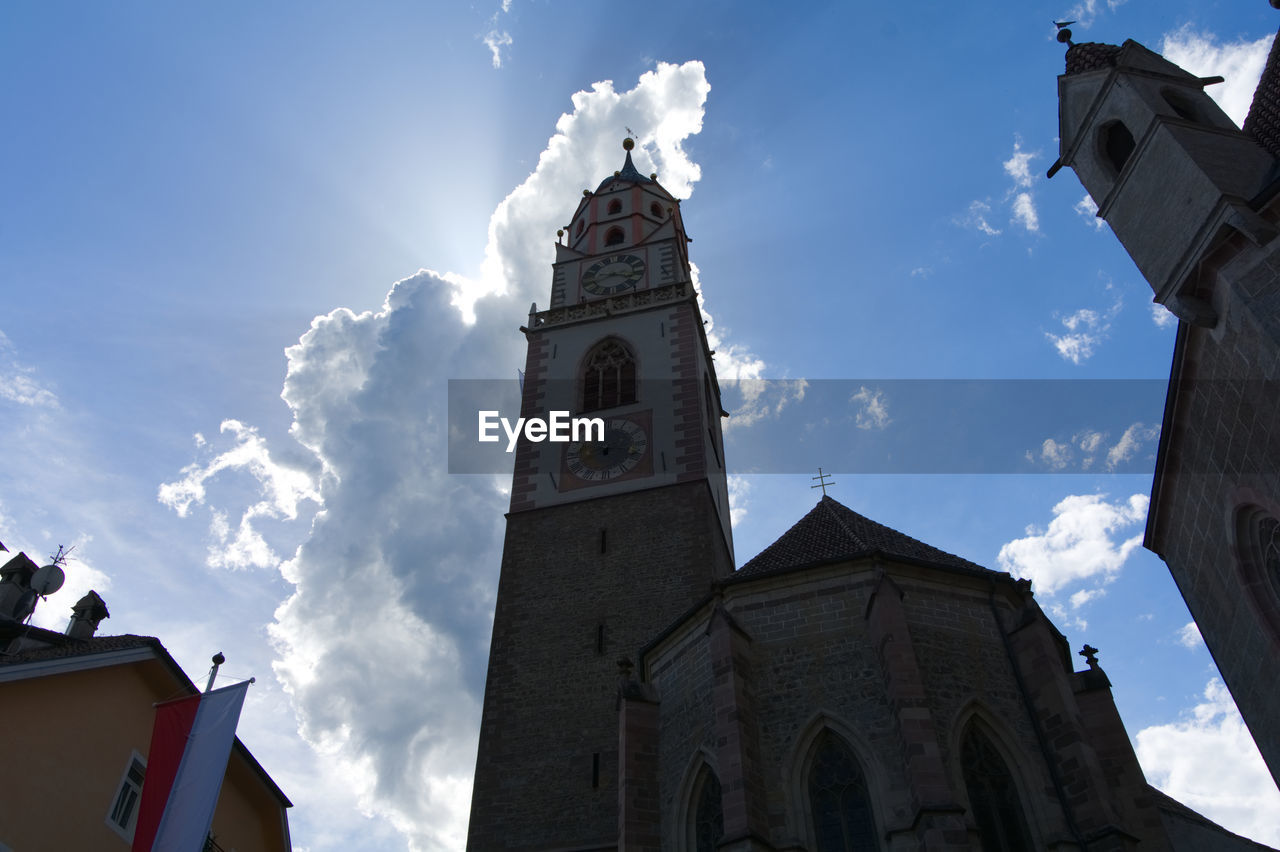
[79, 714]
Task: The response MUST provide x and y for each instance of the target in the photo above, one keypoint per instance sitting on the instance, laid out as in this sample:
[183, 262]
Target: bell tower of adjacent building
[607, 541]
[1195, 201]
[1169, 171]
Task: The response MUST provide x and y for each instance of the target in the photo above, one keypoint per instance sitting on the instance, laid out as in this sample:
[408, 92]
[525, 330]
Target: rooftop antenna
[44, 582]
[822, 481]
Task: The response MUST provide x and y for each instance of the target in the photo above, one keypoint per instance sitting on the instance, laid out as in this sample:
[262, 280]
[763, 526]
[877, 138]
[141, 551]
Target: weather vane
[822, 481]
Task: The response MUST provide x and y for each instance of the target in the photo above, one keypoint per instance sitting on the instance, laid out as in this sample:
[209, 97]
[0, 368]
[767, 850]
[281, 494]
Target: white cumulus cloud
[1240, 62]
[1091, 444]
[495, 40]
[1055, 455]
[1189, 636]
[1209, 761]
[1088, 210]
[1129, 444]
[282, 488]
[1018, 166]
[977, 218]
[1024, 212]
[1162, 316]
[871, 409]
[739, 490]
[1085, 330]
[1081, 542]
[18, 383]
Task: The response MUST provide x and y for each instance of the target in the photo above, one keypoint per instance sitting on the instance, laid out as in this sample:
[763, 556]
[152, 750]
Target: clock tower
[610, 538]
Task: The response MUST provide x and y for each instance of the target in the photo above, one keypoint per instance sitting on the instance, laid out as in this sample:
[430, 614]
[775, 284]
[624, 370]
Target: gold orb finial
[586, 193]
[560, 232]
[628, 144]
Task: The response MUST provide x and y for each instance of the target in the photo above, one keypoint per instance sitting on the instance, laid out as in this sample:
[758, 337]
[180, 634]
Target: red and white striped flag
[185, 766]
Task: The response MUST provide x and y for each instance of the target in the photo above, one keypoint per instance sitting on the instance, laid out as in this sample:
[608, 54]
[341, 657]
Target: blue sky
[215, 389]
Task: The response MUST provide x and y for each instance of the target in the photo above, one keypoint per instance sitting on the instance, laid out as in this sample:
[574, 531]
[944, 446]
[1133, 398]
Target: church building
[849, 688]
[1195, 201]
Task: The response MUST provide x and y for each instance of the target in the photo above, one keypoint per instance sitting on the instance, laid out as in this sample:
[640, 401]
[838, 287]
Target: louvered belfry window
[841, 802]
[609, 378]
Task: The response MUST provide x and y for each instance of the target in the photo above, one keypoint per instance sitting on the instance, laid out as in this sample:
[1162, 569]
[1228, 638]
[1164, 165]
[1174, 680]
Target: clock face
[624, 446]
[613, 274]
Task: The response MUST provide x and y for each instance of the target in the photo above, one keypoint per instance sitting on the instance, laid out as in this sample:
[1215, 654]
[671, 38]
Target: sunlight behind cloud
[382, 645]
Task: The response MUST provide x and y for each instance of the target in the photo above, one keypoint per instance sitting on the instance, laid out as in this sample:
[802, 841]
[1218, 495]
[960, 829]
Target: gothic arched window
[993, 796]
[613, 237]
[707, 811]
[656, 210]
[840, 799]
[609, 377]
[1116, 143]
[1258, 546]
[615, 206]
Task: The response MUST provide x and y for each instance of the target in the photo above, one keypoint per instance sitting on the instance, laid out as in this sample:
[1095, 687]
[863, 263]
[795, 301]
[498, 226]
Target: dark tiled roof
[833, 532]
[1263, 122]
[1167, 803]
[629, 172]
[64, 646]
[1091, 55]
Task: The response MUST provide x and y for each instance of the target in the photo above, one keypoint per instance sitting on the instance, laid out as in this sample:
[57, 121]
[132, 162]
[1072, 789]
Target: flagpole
[218, 660]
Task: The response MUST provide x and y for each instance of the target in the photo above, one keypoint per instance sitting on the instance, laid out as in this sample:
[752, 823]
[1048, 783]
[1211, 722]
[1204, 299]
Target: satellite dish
[47, 580]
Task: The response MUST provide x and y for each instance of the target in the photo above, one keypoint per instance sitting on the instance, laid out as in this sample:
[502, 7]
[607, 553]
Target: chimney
[16, 598]
[86, 615]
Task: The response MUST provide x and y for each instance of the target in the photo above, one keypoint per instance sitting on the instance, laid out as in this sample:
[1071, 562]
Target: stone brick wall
[814, 657]
[1224, 453]
[546, 772]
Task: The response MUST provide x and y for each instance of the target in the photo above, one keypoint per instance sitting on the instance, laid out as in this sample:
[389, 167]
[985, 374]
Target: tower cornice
[625, 303]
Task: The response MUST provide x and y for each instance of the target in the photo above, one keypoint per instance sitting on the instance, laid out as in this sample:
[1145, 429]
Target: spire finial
[628, 143]
[822, 481]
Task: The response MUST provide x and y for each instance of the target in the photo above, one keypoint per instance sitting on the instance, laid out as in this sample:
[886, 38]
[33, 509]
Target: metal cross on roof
[822, 481]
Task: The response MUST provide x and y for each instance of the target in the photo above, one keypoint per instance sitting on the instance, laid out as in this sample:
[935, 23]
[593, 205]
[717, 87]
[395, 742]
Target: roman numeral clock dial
[623, 453]
[613, 274]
